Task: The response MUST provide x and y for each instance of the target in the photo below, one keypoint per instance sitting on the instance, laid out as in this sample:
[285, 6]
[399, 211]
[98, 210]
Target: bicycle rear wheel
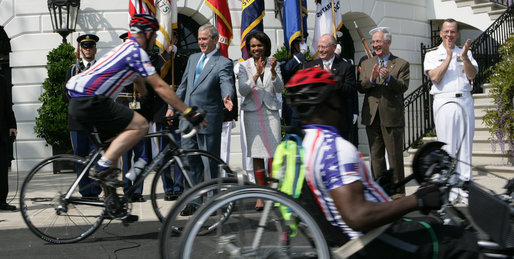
[249, 234]
[160, 205]
[174, 223]
[47, 212]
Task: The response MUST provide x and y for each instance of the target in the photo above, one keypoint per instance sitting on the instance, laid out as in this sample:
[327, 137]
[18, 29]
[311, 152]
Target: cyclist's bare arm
[166, 93]
[361, 214]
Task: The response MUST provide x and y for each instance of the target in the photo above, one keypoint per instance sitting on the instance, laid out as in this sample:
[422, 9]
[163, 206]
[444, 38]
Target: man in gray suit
[207, 83]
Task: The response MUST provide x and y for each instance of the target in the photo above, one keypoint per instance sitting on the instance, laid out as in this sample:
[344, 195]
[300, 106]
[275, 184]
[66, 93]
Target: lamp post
[64, 15]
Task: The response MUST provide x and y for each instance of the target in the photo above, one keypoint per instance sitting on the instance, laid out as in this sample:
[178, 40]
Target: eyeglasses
[377, 41]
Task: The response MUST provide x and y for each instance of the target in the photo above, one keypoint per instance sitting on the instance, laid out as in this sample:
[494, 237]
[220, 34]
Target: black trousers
[425, 238]
[4, 164]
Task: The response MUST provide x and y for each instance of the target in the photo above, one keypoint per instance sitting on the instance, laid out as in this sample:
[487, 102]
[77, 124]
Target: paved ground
[113, 240]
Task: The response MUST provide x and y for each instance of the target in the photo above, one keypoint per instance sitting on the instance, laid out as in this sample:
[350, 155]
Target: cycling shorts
[101, 112]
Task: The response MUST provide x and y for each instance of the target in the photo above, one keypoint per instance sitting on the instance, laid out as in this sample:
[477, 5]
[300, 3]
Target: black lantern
[64, 16]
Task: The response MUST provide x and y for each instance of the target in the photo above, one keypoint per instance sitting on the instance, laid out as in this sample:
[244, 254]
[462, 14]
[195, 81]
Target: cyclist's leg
[110, 119]
[426, 238]
[128, 138]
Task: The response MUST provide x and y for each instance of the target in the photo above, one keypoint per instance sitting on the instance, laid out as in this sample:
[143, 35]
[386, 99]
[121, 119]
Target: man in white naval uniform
[451, 70]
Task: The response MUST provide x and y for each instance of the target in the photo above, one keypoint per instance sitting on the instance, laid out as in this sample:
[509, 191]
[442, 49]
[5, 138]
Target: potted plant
[52, 122]
[500, 121]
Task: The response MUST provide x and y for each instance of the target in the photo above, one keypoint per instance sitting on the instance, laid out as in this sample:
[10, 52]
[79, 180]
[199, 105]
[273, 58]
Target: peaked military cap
[88, 40]
[124, 36]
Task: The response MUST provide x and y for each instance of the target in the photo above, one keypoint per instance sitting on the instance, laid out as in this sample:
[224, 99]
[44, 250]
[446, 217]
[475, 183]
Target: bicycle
[56, 212]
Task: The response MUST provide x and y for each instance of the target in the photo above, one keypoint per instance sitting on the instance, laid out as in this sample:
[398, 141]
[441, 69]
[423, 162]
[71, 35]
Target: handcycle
[55, 211]
[267, 235]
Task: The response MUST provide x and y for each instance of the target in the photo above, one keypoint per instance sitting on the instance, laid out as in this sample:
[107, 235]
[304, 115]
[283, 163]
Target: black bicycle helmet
[308, 88]
[143, 23]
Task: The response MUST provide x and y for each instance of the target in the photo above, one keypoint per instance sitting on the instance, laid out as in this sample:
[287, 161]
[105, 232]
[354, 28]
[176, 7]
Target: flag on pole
[166, 14]
[252, 15]
[223, 23]
[328, 20]
[294, 21]
[140, 6]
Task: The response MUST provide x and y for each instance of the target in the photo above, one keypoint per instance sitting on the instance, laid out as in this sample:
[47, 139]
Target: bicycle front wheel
[164, 179]
[254, 234]
[45, 208]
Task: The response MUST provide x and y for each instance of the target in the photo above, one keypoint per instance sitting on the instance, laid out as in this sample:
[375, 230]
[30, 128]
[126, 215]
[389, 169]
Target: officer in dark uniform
[136, 101]
[82, 145]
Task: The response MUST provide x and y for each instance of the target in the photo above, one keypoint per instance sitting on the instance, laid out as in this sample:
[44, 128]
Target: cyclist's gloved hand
[194, 116]
[429, 198]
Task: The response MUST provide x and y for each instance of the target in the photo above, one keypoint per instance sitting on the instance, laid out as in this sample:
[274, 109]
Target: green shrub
[52, 123]
[500, 121]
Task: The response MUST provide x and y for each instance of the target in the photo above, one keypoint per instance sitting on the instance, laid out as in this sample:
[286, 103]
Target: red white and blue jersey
[332, 162]
[116, 69]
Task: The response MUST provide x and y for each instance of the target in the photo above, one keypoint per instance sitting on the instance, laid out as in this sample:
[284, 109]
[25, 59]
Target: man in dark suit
[345, 76]
[383, 79]
[208, 84]
[7, 130]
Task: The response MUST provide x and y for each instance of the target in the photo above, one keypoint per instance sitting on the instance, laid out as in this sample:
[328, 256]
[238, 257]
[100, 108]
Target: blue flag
[252, 15]
[292, 23]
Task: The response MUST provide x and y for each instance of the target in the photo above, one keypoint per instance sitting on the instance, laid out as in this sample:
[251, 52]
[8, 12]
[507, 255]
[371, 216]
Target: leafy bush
[283, 54]
[52, 123]
[500, 121]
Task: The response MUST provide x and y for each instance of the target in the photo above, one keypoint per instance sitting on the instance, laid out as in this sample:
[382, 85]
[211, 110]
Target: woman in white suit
[259, 82]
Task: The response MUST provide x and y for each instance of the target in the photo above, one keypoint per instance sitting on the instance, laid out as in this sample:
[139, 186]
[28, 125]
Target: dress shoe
[6, 206]
[175, 195]
[188, 210]
[136, 197]
[168, 196]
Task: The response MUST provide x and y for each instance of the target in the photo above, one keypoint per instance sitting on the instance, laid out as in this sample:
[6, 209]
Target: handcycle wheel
[47, 212]
[247, 234]
[158, 191]
[174, 223]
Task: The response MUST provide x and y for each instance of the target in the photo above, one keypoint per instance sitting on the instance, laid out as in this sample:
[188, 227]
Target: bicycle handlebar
[179, 116]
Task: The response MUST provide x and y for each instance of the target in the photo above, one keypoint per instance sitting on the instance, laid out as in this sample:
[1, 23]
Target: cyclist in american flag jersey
[346, 193]
[93, 91]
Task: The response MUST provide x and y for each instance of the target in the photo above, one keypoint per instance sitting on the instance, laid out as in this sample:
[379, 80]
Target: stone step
[485, 7]
[495, 14]
[483, 100]
[464, 3]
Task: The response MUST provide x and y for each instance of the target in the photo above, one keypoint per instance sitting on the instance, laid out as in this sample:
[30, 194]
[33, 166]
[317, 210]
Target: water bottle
[136, 169]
